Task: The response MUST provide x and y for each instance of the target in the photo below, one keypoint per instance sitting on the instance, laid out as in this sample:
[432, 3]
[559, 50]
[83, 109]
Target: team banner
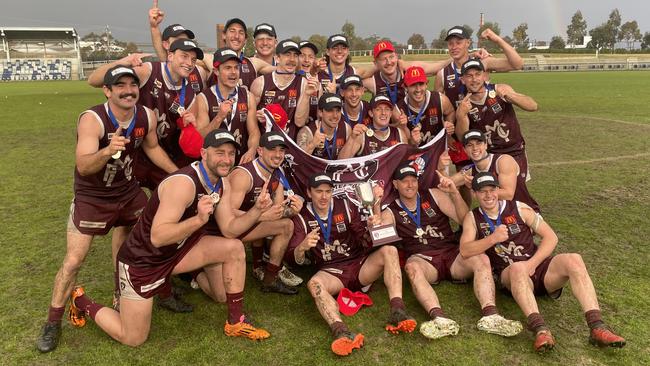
[376, 168]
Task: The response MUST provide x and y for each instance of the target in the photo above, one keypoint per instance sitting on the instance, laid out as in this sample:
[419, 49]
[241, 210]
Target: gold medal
[215, 197]
[419, 232]
[290, 193]
[370, 132]
[117, 155]
[180, 110]
[492, 94]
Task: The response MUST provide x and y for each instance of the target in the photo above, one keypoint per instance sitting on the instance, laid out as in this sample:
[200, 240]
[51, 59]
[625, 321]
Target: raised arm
[513, 60]
[134, 60]
[522, 101]
[156, 17]
[353, 145]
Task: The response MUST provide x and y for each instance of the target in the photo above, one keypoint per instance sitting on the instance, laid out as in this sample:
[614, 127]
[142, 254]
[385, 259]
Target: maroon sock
[397, 303]
[436, 312]
[258, 255]
[86, 304]
[594, 319]
[489, 310]
[55, 315]
[270, 273]
[235, 305]
[338, 327]
[535, 322]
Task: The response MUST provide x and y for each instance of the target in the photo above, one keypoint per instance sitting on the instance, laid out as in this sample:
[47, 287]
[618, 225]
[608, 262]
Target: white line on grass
[590, 161]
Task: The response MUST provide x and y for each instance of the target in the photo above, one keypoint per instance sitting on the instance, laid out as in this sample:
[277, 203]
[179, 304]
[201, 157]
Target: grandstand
[33, 53]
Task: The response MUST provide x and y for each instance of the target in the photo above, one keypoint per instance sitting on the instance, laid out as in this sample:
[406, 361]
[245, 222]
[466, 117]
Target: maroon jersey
[497, 119]
[254, 172]
[247, 74]
[313, 108]
[361, 117]
[373, 144]
[235, 123]
[331, 149]
[163, 98]
[521, 191]
[519, 246]
[438, 233]
[432, 118]
[345, 236]
[138, 251]
[196, 82]
[287, 97]
[325, 78]
[394, 91]
[453, 88]
[114, 180]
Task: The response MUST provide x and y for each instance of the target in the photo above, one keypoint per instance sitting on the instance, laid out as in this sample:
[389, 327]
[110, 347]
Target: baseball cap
[472, 63]
[174, 30]
[327, 101]
[414, 75]
[473, 135]
[404, 170]
[351, 80]
[484, 179]
[116, 72]
[337, 39]
[320, 178]
[382, 46]
[224, 54]
[350, 302]
[264, 28]
[218, 137]
[285, 46]
[457, 31]
[190, 141]
[279, 114]
[272, 139]
[310, 45]
[232, 21]
[186, 45]
[379, 99]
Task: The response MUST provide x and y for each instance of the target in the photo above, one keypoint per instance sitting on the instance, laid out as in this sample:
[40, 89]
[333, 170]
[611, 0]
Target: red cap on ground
[350, 302]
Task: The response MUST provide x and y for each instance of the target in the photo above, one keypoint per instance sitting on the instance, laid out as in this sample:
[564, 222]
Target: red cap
[350, 302]
[191, 141]
[382, 46]
[414, 74]
[279, 115]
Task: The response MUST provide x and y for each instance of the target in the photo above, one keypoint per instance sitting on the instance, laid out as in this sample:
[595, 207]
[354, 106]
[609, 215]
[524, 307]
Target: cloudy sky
[395, 19]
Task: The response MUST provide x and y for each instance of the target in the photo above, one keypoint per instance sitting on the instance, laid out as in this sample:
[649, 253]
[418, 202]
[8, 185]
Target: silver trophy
[366, 196]
[380, 234]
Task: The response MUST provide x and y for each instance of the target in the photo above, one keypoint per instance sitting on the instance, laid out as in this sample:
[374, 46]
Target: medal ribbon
[117, 125]
[417, 217]
[181, 96]
[330, 148]
[489, 220]
[392, 92]
[457, 75]
[419, 115]
[328, 230]
[206, 178]
[281, 177]
[347, 119]
[221, 99]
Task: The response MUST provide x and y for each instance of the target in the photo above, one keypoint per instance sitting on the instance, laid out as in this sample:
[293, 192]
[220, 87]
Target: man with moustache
[326, 136]
[170, 239]
[227, 105]
[106, 196]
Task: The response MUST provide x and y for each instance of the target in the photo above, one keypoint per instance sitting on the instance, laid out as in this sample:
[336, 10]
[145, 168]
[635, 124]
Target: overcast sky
[397, 19]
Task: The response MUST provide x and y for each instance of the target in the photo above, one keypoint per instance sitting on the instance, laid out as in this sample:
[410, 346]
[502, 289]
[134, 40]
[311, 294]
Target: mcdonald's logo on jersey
[242, 107]
[293, 93]
[138, 132]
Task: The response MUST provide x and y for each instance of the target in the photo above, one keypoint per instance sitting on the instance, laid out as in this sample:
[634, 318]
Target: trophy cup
[380, 234]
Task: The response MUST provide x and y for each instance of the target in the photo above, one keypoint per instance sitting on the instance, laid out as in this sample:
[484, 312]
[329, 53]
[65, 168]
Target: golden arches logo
[382, 45]
[415, 73]
[277, 117]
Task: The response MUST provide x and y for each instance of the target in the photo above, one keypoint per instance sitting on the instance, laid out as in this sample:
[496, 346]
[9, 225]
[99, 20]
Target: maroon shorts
[98, 217]
[147, 173]
[347, 272]
[538, 280]
[522, 160]
[441, 260]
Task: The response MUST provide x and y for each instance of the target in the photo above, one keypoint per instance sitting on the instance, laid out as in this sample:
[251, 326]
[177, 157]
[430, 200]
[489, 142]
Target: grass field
[588, 145]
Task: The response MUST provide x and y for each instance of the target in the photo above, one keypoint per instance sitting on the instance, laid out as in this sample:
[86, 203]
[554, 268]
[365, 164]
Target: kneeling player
[421, 218]
[504, 231]
[332, 231]
[169, 239]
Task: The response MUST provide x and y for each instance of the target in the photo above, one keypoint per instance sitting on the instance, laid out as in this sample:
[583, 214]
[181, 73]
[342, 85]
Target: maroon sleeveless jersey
[287, 97]
[345, 237]
[520, 245]
[163, 98]
[196, 82]
[313, 108]
[254, 172]
[114, 181]
[325, 78]
[498, 121]
[373, 144]
[521, 191]
[138, 251]
[394, 91]
[235, 123]
[453, 88]
[432, 118]
[331, 149]
[438, 233]
[361, 117]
